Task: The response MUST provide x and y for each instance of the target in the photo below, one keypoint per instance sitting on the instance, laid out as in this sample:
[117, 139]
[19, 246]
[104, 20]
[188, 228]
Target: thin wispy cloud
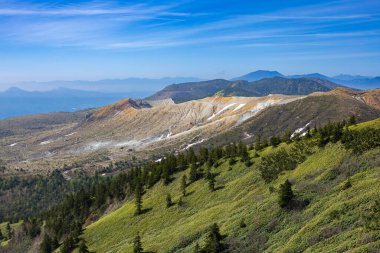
[185, 27]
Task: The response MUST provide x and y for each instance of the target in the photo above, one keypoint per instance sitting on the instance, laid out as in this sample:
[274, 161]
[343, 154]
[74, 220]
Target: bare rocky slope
[131, 128]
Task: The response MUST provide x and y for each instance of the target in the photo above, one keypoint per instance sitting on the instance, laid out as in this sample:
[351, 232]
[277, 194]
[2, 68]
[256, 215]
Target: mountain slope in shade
[275, 85]
[279, 85]
[190, 91]
[313, 110]
[257, 75]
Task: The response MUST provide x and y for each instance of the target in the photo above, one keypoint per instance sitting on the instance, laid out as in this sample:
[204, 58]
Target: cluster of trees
[273, 164]
[24, 197]
[64, 222]
[361, 140]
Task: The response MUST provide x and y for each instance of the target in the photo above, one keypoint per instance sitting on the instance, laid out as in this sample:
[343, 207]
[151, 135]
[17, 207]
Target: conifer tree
[213, 240]
[183, 185]
[138, 198]
[258, 145]
[9, 231]
[287, 136]
[83, 247]
[352, 120]
[211, 181]
[137, 245]
[286, 193]
[169, 202]
[193, 173]
[1, 235]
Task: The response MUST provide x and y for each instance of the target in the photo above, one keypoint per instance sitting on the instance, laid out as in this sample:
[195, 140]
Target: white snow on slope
[70, 134]
[239, 107]
[259, 107]
[223, 109]
[194, 143]
[262, 105]
[299, 130]
[45, 142]
[13, 144]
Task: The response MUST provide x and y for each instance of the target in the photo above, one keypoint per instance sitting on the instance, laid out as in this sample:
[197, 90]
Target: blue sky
[68, 40]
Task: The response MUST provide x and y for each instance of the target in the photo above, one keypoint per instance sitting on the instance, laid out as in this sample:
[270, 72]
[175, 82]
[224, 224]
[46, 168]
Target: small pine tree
[242, 223]
[1, 235]
[138, 199]
[213, 240]
[9, 231]
[137, 245]
[83, 247]
[285, 194]
[183, 185]
[193, 173]
[287, 136]
[211, 182]
[352, 120]
[169, 202]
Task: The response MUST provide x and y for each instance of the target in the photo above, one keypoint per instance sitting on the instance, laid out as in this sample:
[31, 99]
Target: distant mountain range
[263, 87]
[79, 95]
[352, 81]
[146, 85]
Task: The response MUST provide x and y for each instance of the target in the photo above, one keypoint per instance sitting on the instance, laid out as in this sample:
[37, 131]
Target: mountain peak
[258, 74]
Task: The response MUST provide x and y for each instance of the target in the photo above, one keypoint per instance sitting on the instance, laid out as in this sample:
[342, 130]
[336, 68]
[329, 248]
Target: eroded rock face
[145, 126]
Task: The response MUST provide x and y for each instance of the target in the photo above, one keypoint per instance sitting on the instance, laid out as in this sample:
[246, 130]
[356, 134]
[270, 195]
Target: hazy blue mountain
[361, 84]
[257, 75]
[109, 85]
[17, 102]
[318, 75]
[346, 77]
[351, 81]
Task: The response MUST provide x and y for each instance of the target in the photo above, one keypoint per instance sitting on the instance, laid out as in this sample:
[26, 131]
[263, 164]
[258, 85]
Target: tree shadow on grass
[189, 193]
[219, 187]
[146, 210]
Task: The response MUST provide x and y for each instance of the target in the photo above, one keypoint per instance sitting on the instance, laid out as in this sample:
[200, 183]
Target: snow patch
[221, 111]
[247, 135]
[70, 134]
[13, 144]
[194, 143]
[300, 130]
[262, 105]
[46, 142]
[239, 107]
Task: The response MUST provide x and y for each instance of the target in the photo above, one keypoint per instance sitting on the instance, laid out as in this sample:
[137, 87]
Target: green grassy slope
[334, 221]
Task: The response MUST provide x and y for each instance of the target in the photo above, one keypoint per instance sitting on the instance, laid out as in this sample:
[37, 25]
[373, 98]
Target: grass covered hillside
[335, 207]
